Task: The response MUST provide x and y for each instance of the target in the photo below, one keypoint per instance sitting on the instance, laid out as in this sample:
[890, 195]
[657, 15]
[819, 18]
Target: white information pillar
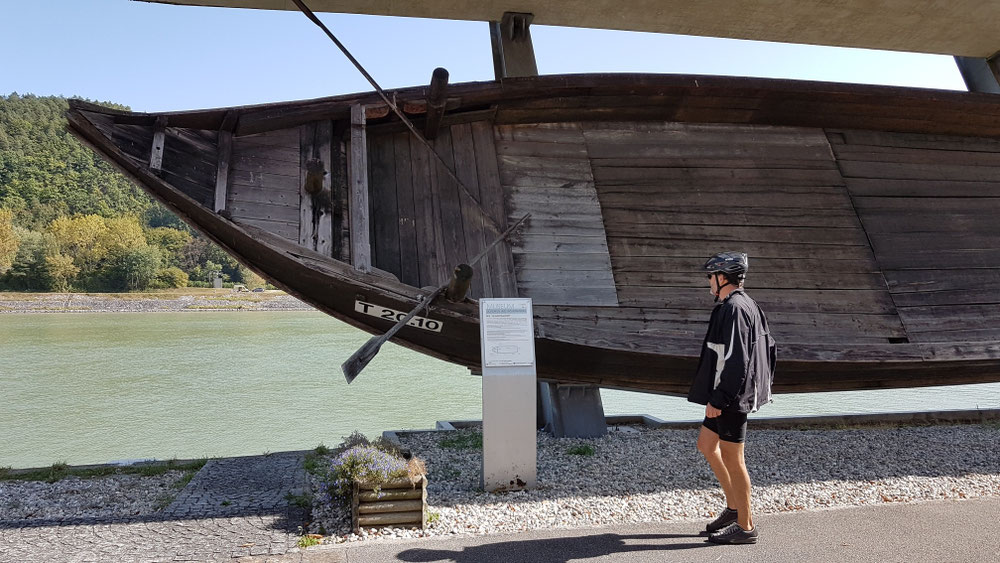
[507, 341]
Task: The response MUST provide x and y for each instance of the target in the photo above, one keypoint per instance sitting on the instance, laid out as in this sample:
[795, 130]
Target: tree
[250, 278]
[84, 238]
[172, 277]
[170, 241]
[132, 269]
[28, 271]
[60, 271]
[123, 233]
[9, 241]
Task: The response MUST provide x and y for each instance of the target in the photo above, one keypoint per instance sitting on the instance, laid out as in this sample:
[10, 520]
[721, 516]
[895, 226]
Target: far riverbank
[191, 299]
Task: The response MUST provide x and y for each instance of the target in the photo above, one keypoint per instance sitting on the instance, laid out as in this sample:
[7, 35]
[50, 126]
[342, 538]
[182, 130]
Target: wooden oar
[359, 359]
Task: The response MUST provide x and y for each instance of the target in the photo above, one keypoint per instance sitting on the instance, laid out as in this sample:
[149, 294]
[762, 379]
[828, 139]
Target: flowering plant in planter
[371, 463]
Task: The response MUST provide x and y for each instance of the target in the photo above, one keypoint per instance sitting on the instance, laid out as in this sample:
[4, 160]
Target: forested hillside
[70, 222]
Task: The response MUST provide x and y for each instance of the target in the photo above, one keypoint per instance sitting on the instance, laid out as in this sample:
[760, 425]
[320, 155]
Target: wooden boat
[869, 214]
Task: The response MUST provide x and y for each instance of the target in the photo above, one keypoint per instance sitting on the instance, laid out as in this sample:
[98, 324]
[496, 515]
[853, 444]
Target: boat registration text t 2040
[396, 316]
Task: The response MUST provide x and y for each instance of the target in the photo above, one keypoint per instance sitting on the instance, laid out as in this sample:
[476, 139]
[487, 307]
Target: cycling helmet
[734, 264]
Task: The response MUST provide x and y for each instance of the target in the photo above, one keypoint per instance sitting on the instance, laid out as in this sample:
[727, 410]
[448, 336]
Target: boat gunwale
[258, 118]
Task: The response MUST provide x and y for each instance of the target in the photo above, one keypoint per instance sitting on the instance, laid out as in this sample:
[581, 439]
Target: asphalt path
[934, 531]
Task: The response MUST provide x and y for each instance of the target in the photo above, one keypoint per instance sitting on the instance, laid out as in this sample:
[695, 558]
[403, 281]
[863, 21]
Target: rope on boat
[409, 125]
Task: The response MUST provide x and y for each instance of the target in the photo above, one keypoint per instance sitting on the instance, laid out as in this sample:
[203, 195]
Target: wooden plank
[264, 182]
[900, 155]
[284, 229]
[288, 137]
[736, 198]
[199, 190]
[358, 180]
[390, 519]
[280, 153]
[918, 140]
[541, 149]
[697, 135]
[697, 162]
[159, 139]
[449, 204]
[638, 214]
[316, 211]
[473, 222]
[307, 136]
[542, 167]
[921, 188]
[818, 235]
[981, 221]
[558, 243]
[390, 506]
[908, 171]
[262, 165]
[934, 280]
[225, 150]
[560, 295]
[914, 258]
[491, 191]
[340, 186]
[246, 209]
[702, 248]
[692, 264]
[429, 238]
[385, 209]
[409, 253]
[818, 279]
[849, 301]
[564, 261]
[887, 243]
[253, 194]
[773, 177]
[390, 495]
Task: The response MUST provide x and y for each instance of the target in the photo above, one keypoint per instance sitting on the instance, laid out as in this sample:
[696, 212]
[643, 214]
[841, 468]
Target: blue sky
[156, 57]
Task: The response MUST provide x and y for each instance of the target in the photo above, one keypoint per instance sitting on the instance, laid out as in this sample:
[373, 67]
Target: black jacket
[737, 358]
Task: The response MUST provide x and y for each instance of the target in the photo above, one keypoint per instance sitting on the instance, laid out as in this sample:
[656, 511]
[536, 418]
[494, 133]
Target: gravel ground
[634, 475]
[148, 303]
[114, 497]
[644, 475]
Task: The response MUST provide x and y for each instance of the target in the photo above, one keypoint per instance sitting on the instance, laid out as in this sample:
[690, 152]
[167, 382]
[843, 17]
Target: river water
[91, 388]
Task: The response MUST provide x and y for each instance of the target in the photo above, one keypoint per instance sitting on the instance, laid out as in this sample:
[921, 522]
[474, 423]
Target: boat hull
[866, 212]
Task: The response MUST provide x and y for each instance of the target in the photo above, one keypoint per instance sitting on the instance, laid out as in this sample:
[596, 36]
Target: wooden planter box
[397, 504]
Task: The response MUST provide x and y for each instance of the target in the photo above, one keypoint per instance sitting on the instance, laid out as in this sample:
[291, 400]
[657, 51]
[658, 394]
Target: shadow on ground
[555, 550]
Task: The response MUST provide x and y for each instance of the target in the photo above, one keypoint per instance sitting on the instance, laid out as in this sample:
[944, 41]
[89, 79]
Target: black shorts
[731, 426]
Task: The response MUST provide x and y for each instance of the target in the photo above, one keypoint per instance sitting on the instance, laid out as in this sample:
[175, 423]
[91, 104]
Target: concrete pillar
[513, 53]
[980, 75]
[573, 411]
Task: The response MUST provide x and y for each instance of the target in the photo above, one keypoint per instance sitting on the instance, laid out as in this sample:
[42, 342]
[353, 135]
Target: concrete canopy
[951, 27]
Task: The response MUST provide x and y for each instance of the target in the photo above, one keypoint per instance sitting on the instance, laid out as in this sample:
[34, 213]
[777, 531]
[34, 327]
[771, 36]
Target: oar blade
[359, 359]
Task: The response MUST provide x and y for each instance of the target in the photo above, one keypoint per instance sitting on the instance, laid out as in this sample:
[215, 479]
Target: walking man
[733, 378]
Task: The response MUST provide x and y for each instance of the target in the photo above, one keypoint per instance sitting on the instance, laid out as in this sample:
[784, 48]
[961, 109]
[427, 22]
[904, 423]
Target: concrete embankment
[205, 300]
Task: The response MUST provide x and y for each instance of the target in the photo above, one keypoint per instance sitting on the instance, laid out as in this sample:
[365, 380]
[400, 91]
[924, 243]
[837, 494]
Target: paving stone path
[233, 507]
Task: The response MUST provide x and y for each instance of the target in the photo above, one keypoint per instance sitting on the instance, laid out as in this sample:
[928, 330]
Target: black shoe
[734, 534]
[727, 517]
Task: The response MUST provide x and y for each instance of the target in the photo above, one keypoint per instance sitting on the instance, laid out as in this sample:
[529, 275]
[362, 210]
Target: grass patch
[61, 470]
[585, 449]
[307, 541]
[433, 517]
[314, 462]
[463, 441]
[303, 501]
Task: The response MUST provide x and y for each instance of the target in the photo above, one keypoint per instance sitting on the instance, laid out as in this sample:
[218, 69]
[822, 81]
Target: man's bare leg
[739, 481]
[708, 445]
